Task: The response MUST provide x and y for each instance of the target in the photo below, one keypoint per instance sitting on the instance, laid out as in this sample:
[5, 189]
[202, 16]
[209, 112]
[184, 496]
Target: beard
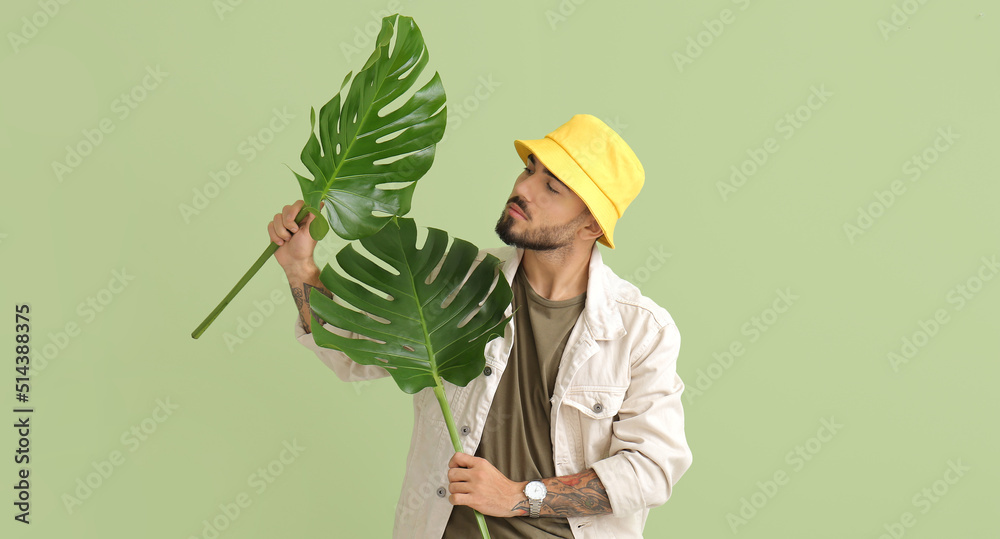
[544, 238]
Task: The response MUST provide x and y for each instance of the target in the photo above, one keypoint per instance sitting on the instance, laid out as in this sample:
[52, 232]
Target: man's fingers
[277, 226]
[461, 459]
[270, 232]
[459, 474]
[288, 216]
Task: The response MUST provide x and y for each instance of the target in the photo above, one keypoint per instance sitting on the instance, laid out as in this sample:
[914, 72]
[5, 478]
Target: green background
[721, 260]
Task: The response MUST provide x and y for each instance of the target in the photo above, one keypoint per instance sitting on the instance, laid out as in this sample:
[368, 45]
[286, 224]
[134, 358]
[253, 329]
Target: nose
[528, 187]
[522, 197]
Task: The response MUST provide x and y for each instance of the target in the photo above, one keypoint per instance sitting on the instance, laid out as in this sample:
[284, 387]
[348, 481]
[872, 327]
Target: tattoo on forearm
[301, 296]
[571, 496]
[299, 301]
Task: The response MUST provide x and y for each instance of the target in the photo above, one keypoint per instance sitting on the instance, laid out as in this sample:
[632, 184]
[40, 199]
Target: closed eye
[547, 184]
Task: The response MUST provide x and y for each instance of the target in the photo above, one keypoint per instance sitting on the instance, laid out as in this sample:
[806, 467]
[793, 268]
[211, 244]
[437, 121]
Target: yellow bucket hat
[593, 161]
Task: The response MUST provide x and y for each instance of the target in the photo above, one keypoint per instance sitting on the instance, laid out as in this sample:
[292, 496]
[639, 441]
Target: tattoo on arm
[301, 296]
[571, 496]
[299, 301]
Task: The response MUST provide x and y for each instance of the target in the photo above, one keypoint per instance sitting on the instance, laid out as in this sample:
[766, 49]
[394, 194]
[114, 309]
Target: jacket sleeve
[346, 368]
[649, 451]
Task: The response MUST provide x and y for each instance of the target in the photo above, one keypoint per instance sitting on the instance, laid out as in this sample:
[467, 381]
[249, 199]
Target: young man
[576, 427]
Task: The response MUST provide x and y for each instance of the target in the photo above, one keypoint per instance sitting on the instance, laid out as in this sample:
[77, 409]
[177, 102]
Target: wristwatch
[535, 491]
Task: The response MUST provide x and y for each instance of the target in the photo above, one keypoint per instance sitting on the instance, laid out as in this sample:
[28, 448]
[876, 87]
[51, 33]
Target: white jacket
[616, 408]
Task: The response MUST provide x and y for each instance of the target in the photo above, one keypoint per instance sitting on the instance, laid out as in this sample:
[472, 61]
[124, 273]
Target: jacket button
[487, 371]
[465, 430]
[442, 492]
[598, 407]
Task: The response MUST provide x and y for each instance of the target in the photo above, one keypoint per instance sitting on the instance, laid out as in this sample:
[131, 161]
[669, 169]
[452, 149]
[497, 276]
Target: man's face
[542, 214]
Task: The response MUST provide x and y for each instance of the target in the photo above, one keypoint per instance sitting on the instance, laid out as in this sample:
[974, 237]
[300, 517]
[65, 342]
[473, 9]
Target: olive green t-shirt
[516, 436]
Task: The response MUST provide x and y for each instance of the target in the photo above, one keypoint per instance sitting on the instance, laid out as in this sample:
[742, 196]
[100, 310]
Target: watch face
[535, 489]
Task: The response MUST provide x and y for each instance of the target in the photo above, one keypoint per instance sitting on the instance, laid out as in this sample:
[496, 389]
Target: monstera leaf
[366, 144]
[422, 330]
[343, 159]
[424, 336]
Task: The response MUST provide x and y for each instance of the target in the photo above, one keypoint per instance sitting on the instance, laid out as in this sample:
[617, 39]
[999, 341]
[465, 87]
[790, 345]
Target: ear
[592, 230]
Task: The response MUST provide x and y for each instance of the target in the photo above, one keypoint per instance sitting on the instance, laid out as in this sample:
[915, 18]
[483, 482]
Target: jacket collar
[600, 311]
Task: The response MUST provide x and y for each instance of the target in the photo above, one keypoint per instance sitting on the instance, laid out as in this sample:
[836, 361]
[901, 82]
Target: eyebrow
[531, 157]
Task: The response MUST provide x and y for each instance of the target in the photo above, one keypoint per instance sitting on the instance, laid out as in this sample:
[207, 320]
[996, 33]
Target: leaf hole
[392, 158]
[389, 136]
[377, 318]
[359, 247]
[390, 186]
[413, 86]
[413, 66]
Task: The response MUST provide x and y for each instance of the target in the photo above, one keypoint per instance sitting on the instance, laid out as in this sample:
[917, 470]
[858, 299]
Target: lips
[516, 210]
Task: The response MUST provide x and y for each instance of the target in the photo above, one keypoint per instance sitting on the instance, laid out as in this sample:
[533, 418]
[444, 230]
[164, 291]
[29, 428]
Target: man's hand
[296, 245]
[295, 255]
[473, 481]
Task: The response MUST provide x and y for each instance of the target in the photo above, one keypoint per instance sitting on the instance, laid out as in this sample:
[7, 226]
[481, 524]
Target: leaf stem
[271, 248]
[450, 421]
